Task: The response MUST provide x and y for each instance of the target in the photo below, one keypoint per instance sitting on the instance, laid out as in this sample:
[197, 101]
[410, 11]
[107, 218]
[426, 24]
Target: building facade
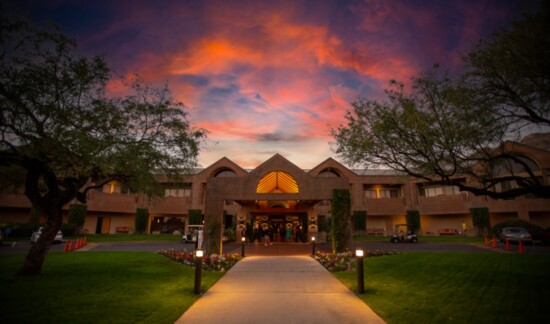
[279, 194]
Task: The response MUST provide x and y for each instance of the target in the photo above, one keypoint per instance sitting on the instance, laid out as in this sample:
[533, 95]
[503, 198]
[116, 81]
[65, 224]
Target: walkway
[280, 289]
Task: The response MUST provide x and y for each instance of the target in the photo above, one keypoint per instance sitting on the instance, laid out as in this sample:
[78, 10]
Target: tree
[341, 228]
[67, 136]
[511, 71]
[440, 134]
[447, 130]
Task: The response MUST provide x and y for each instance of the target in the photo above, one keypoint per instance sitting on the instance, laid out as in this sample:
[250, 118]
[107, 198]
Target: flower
[213, 262]
[344, 261]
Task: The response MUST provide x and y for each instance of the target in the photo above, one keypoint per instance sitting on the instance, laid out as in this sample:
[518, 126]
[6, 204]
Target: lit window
[277, 182]
[382, 191]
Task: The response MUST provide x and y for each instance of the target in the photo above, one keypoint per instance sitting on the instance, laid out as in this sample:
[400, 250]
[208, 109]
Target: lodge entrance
[281, 228]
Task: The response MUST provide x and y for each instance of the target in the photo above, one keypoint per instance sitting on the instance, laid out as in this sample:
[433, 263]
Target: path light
[313, 245]
[198, 271]
[360, 277]
[243, 239]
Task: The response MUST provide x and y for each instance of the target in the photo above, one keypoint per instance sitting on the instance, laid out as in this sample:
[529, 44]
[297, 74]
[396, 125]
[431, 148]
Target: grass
[113, 238]
[443, 239]
[456, 287]
[91, 287]
[133, 238]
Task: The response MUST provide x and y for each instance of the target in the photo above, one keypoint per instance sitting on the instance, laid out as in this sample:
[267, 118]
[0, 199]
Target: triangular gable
[277, 163]
[223, 163]
[334, 165]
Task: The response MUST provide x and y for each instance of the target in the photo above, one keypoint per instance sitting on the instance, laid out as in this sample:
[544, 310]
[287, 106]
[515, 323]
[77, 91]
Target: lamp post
[198, 271]
[196, 240]
[360, 276]
[313, 245]
[243, 239]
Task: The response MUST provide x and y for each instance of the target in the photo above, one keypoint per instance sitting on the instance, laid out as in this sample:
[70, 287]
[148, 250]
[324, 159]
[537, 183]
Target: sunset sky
[266, 77]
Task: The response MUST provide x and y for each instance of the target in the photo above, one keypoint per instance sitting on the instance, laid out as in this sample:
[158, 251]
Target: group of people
[277, 233]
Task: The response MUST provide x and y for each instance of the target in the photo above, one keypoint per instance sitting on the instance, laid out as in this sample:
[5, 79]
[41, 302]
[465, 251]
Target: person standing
[266, 237]
[464, 228]
[288, 233]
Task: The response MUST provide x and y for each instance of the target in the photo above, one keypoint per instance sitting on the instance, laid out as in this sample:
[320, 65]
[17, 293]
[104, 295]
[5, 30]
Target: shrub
[341, 220]
[229, 234]
[413, 219]
[68, 229]
[481, 220]
[22, 230]
[77, 214]
[195, 217]
[360, 220]
[141, 219]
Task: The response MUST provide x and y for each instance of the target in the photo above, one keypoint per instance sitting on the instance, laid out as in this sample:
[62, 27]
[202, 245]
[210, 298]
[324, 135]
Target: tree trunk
[34, 260]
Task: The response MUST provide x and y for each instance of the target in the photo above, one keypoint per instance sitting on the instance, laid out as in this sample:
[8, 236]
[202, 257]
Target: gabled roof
[223, 163]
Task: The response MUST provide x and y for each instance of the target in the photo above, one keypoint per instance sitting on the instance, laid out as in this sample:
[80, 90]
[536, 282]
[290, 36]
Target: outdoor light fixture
[360, 277]
[243, 240]
[198, 271]
[313, 245]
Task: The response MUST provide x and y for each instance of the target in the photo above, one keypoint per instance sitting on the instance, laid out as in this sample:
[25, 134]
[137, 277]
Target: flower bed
[344, 261]
[213, 262]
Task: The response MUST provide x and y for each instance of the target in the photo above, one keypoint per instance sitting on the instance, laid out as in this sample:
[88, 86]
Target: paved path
[280, 289]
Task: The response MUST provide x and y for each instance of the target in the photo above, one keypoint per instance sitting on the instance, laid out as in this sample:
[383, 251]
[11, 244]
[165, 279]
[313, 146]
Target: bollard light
[313, 245]
[198, 271]
[360, 277]
[243, 240]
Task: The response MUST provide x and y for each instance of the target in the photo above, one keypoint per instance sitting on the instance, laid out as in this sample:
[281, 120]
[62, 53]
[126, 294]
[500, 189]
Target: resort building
[279, 194]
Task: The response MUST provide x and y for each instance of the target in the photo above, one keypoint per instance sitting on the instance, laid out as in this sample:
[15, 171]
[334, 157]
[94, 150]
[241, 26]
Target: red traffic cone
[494, 242]
[486, 241]
[521, 249]
[507, 245]
[71, 246]
[85, 241]
[66, 248]
[79, 243]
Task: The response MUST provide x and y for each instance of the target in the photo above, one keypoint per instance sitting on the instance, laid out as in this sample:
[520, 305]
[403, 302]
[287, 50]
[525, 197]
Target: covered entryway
[275, 193]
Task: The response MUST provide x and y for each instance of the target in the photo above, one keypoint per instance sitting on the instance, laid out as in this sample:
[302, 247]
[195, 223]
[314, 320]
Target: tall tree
[67, 136]
[511, 71]
[438, 133]
[445, 130]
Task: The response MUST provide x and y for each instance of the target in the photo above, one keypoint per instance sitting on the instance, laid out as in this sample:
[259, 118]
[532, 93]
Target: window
[439, 191]
[277, 182]
[328, 174]
[112, 187]
[382, 191]
[180, 191]
[225, 173]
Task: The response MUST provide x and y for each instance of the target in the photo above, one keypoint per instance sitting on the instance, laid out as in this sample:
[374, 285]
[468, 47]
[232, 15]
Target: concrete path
[282, 289]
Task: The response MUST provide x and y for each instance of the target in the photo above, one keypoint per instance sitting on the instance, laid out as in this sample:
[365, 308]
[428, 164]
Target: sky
[266, 77]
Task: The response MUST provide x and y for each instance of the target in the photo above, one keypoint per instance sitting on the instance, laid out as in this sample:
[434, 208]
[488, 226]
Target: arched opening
[277, 182]
[225, 173]
[328, 173]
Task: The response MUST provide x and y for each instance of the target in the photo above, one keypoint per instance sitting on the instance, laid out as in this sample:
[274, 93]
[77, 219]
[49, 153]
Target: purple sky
[268, 77]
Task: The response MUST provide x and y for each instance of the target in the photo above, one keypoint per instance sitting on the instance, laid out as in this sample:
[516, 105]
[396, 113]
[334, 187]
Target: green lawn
[444, 238]
[132, 237]
[456, 287]
[133, 287]
[91, 287]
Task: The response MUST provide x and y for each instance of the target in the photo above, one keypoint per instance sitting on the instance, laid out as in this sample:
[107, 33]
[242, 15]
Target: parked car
[515, 234]
[35, 235]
